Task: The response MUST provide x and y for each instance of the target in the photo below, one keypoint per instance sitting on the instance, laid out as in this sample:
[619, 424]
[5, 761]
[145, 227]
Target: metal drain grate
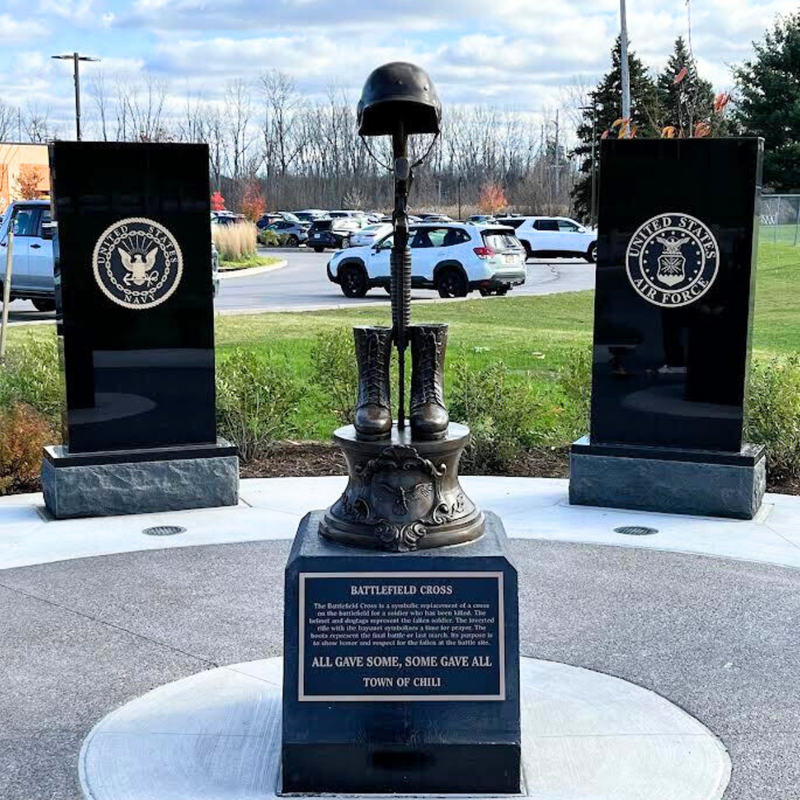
[636, 530]
[164, 530]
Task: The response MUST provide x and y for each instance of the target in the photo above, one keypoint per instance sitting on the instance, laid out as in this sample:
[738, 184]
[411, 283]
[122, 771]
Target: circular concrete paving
[216, 736]
[716, 637]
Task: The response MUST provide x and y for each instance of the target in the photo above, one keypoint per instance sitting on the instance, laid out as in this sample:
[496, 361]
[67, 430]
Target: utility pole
[76, 58]
[624, 66]
[557, 162]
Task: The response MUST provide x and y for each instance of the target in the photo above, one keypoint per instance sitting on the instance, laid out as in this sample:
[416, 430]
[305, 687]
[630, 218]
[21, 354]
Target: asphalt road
[717, 637]
[303, 284]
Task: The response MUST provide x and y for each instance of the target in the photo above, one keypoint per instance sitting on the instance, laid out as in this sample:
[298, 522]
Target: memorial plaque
[677, 242]
[416, 636]
[401, 670]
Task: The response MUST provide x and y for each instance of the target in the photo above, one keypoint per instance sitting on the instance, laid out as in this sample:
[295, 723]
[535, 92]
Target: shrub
[575, 385]
[32, 375]
[335, 371]
[235, 242]
[502, 414]
[271, 238]
[23, 434]
[773, 413]
[255, 397]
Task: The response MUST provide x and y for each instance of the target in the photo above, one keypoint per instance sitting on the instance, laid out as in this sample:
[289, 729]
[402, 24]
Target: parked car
[292, 234]
[32, 261]
[367, 236]
[557, 237]
[310, 214]
[331, 233]
[435, 218]
[453, 258]
[226, 218]
[277, 216]
[514, 221]
[480, 219]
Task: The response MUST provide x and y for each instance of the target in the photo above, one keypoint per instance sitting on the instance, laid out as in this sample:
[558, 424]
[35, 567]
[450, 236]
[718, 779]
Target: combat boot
[428, 416]
[373, 416]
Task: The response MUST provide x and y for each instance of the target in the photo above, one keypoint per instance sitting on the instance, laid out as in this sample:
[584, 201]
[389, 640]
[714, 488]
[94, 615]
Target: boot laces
[429, 389]
[374, 372]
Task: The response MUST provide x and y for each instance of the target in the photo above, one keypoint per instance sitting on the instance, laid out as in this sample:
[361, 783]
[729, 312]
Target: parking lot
[303, 285]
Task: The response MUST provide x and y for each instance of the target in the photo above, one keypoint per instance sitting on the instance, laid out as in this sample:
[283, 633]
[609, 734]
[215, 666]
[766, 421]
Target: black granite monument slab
[674, 299]
[136, 331]
[401, 671]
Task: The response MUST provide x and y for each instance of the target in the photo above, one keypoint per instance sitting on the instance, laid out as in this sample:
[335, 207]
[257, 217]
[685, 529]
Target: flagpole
[624, 66]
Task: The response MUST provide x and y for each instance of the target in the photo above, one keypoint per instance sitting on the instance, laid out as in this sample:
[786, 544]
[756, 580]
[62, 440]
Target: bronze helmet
[398, 91]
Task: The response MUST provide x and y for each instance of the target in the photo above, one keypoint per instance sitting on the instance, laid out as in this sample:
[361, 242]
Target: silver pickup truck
[32, 268]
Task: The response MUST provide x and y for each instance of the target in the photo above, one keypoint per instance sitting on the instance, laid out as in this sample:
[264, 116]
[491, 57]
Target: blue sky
[516, 53]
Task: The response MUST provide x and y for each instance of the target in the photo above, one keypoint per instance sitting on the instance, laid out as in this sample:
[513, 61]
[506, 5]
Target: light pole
[624, 67]
[76, 58]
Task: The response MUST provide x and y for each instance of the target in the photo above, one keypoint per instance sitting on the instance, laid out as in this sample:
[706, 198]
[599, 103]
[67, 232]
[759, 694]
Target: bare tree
[238, 108]
[8, 120]
[37, 123]
[98, 88]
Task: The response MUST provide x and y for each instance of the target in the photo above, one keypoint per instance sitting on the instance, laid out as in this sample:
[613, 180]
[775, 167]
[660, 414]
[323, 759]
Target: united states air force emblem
[672, 260]
[137, 263]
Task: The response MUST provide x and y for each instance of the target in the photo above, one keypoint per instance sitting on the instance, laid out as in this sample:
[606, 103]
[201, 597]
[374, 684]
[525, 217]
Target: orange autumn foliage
[492, 198]
[29, 181]
[253, 203]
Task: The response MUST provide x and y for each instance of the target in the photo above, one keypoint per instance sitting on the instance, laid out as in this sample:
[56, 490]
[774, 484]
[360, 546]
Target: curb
[245, 273]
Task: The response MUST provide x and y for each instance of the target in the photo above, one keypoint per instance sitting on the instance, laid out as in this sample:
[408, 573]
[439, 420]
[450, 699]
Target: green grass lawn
[246, 263]
[532, 335]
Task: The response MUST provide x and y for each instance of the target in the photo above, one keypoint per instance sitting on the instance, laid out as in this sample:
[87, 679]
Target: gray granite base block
[138, 487]
[700, 488]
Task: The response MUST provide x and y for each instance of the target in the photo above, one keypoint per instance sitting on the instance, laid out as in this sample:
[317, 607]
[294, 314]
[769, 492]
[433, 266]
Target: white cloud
[15, 31]
[514, 53]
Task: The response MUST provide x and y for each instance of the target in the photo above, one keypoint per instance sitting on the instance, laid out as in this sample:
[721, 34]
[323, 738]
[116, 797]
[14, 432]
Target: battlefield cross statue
[375, 701]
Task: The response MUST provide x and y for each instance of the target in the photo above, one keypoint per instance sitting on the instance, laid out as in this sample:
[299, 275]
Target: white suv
[452, 258]
[554, 237]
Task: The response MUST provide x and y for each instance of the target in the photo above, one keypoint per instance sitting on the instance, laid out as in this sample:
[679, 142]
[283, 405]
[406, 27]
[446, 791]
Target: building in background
[24, 172]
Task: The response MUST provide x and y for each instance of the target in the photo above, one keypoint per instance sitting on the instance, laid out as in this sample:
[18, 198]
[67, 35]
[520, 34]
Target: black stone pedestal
[676, 267]
[667, 480]
[401, 671]
[139, 481]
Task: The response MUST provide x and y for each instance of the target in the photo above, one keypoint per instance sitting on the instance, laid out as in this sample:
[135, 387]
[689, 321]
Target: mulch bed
[305, 459]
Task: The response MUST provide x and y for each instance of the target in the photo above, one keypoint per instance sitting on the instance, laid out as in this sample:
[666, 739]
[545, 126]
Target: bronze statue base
[403, 494]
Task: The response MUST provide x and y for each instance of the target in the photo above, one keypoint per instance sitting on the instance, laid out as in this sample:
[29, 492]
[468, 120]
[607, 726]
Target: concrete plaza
[94, 613]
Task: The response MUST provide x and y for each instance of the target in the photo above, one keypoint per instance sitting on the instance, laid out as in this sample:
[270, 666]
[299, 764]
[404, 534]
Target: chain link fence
[780, 218]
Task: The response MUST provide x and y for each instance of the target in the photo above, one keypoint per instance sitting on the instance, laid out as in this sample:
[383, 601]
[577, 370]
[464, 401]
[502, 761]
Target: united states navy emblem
[137, 263]
[672, 260]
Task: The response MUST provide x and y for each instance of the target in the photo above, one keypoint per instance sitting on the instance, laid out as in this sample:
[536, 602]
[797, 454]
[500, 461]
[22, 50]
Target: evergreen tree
[768, 104]
[690, 100]
[607, 99]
